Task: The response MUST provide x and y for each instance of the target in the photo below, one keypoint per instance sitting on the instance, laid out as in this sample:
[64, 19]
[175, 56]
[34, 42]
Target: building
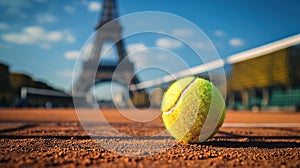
[4, 85]
[21, 90]
[49, 98]
[266, 77]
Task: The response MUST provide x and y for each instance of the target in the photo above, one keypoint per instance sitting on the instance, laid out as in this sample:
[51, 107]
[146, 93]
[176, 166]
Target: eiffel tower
[107, 32]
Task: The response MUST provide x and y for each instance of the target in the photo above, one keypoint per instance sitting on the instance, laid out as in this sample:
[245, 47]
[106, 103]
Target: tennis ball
[193, 109]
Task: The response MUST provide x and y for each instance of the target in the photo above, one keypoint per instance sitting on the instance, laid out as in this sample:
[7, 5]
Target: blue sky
[43, 37]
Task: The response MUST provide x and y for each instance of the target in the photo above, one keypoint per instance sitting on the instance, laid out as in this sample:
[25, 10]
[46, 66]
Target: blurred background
[258, 42]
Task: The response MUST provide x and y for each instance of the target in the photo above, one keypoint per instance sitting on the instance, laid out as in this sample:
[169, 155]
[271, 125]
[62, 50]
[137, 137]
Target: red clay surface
[55, 138]
[112, 115]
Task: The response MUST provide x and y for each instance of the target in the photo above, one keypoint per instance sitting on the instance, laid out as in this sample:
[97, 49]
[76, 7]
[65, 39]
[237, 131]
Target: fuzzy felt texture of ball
[193, 109]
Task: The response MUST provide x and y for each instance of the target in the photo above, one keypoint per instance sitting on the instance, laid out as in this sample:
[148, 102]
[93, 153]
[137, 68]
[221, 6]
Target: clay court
[55, 138]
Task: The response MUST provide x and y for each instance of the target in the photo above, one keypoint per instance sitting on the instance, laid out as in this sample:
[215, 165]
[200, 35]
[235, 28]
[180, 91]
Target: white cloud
[3, 26]
[236, 42]
[83, 54]
[168, 43]
[219, 33]
[183, 32]
[94, 6]
[69, 9]
[132, 48]
[54, 36]
[38, 36]
[29, 35]
[72, 54]
[45, 18]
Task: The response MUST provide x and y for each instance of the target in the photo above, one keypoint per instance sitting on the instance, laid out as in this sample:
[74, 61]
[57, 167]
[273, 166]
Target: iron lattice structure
[107, 33]
[109, 29]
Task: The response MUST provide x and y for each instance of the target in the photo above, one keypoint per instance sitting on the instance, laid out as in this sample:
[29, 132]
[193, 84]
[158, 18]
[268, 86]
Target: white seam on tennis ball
[180, 97]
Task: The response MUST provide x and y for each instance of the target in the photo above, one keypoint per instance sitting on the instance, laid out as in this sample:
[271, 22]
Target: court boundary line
[260, 125]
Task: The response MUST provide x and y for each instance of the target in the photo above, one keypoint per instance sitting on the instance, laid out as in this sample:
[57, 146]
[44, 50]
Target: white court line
[260, 125]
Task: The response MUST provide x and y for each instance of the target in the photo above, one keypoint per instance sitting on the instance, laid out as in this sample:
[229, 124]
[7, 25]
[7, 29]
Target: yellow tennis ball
[193, 109]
